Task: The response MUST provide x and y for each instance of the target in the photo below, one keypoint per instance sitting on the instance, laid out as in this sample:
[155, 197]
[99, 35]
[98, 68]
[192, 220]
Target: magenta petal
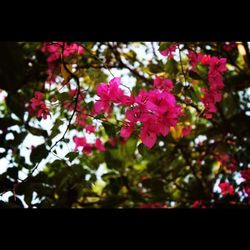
[148, 138]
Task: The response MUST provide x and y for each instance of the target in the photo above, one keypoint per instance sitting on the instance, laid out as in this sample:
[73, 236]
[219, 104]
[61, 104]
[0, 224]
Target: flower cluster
[229, 46]
[213, 93]
[169, 50]
[54, 51]
[198, 204]
[227, 161]
[153, 205]
[156, 110]
[226, 189]
[245, 174]
[38, 105]
[88, 147]
[109, 94]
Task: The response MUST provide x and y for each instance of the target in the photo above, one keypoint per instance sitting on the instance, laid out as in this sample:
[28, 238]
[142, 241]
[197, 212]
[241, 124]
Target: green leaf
[39, 153]
[14, 103]
[143, 150]
[55, 129]
[171, 67]
[6, 122]
[72, 155]
[109, 129]
[194, 75]
[192, 94]
[64, 96]
[177, 88]
[100, 116]
[38, 131]
[164, 46]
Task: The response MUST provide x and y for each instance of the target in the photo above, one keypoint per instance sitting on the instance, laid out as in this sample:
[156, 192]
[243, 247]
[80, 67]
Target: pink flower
[245, 173]
[54, 51]
[163, 84]
[38, 104]
[195, 58]
[218, 65]
[79, 142]
[205, 59]
[186, 131]
[109, 94]
[90, 128]
[112, 141]
[247, 190]
[153, 205]
[99, 145]
[226, 189]
[148, 137]
[169, 51]
[126, 130]
[81, 118]
[87, 149]
[227, 161]
[229, 46]
[198, 204]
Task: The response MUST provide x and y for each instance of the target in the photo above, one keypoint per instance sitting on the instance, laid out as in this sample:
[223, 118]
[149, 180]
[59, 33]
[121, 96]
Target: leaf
[100, 116]
[177, 88]
[64, 96]
[109, 129]
[55, 129]
[112, 162]
[14, 103]
[164, 45]
[72, 155]
[143, 150]
[13, 173]
[192, 94]
[194, 75]
[6, 122]
[171, 67]
[38, 153]
[38, 131]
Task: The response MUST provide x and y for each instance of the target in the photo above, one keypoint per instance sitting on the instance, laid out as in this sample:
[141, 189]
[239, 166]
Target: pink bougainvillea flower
[109, 94]
[229, 46]
[112, 141]
[227, 161]
[127, 129]
[198, 204]
[186, 131]
[245, 173]
[79, 142]
[82, 142]
[38, 105]
[81, 118]
[163, 84]
[226, 189]
[213, 93]
[148, 136]
[87, 149]
[247, 190]
[99, 145]
[54, 51]
[169, 51]
[153, 205]
[217, 64]
[90, 128]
